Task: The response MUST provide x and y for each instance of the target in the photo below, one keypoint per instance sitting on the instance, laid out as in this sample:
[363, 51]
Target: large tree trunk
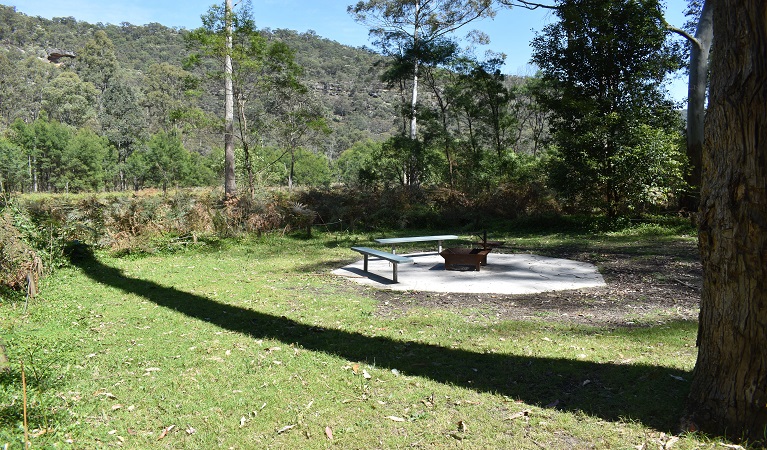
[729, 387]
[230, 187]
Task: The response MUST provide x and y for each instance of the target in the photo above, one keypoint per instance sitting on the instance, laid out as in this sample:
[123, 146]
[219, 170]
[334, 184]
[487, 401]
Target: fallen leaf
[189, 430]
[329, 433]
[285, 428]
[670, 443]
[395, 418]
[106, 394]
[116, 407]
[395, 372]
[462, 426]
[355, 368]
[165, 432]
[152, 369]
[732, 446]
[517, 415]
[243, 421]
[366, 374]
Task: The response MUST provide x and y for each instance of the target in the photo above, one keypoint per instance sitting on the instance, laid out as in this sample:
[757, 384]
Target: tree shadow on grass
[652, 395]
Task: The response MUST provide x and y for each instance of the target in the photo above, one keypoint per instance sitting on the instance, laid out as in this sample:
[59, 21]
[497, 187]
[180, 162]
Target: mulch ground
[659, 283]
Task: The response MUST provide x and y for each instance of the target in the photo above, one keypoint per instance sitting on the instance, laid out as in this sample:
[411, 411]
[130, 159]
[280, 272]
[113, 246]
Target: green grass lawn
[254, 344]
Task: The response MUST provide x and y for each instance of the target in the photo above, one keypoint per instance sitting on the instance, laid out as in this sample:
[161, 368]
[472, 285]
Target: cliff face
[55, 55]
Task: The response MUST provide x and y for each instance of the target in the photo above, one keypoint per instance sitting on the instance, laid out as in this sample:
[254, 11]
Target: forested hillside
[346, 79]
[102, 107]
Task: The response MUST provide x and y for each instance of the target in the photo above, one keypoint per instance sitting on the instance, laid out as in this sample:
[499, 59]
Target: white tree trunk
[414, 98]
[230, 187]
[696, 97]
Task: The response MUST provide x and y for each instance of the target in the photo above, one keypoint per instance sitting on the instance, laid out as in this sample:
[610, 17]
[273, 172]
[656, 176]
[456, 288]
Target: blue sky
[510, 32]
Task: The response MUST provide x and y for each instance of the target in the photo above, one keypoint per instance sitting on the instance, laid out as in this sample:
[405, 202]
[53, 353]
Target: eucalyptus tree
[700, 48]
[606, 61]
[215, 39]
[250, 65]
[169, 95]
[298, 120]
[70, 100]
[408, 26]
[97, 62]
[122, 122]
[728, 392]
[26, 85]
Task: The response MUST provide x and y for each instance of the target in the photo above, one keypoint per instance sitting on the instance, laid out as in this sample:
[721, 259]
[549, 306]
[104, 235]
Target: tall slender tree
[215, 39]
[700, 48]
[230, 187]
[410, 25]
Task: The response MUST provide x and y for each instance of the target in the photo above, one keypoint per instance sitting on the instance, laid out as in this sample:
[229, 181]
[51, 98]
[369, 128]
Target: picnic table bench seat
[403, 240]
[391, 257]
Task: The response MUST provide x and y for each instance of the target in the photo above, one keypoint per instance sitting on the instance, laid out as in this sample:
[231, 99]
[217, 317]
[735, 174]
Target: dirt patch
[644, 286]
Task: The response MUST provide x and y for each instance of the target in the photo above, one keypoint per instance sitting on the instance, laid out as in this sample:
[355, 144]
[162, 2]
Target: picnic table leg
[366, 263]
[439, 246]
[394, 275]
[394, 249]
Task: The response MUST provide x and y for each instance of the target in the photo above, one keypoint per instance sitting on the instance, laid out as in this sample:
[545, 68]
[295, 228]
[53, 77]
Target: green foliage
[167, 160]
[121, 118]
[69, 100]
[14, 174]
[312, 169]
[96, 62]
[352, 167]
[605, 62]
[85, 160]
[44, 143]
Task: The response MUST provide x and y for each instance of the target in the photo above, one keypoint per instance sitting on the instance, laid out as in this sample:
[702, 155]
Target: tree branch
[526, 4]
[692, 39]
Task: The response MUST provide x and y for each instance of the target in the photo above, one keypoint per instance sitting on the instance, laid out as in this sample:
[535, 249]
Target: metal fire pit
[465, 257]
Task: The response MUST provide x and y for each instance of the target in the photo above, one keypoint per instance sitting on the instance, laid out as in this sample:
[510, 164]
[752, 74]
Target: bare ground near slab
[659, 282]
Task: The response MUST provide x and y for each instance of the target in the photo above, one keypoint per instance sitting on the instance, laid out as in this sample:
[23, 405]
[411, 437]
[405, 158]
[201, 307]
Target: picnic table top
[444, 237]
[384, 255]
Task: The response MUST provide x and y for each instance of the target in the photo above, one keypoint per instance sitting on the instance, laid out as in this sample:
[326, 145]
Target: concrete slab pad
[503, 274]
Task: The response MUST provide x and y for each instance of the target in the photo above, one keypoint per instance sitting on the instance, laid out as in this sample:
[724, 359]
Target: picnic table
[403, 240]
